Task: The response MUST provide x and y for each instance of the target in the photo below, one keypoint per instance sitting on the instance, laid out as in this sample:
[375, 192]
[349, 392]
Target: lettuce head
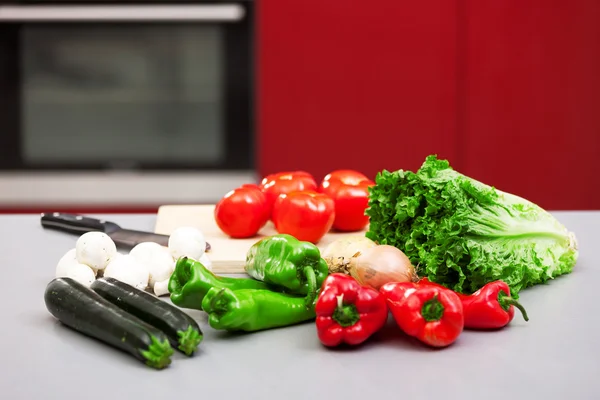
[462, 233]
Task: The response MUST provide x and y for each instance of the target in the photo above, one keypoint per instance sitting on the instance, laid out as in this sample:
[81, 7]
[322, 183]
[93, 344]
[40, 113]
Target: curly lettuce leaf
[463, 234]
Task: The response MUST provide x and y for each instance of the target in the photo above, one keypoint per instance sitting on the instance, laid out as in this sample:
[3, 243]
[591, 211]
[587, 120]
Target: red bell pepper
[286, 182]
[432, 314]
[348, 312]
[491, 307]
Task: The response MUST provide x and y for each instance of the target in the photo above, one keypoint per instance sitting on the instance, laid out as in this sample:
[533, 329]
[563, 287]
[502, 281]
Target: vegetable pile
[464, 234]
[443, 253]
[296, 205]
[290, 284]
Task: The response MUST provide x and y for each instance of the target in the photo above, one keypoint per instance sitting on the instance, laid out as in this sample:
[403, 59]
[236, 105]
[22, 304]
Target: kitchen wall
[508, 91]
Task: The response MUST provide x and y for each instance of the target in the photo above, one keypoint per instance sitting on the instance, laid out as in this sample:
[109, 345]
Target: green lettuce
[463, 234]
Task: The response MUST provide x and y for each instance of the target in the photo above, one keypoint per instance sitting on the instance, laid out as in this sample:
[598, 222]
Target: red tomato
[242, 212]
[306, 215]
[349, 191]
[251, 186]
[286, 182]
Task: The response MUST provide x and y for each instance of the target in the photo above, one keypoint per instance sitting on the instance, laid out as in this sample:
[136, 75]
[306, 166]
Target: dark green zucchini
[181, 329]
[86, 312]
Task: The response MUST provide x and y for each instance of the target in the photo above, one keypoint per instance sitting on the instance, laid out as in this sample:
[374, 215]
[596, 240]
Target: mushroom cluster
[147, 266]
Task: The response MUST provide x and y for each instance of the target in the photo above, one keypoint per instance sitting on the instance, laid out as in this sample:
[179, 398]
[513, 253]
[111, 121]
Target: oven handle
[124, 13]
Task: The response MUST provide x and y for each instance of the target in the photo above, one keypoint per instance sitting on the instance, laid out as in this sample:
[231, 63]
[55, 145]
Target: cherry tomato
[286, 182]
[242, 212]
[350, 193]
[306, 215]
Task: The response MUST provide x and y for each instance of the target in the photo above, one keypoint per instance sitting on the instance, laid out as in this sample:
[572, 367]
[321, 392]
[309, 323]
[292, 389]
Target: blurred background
[116, 106]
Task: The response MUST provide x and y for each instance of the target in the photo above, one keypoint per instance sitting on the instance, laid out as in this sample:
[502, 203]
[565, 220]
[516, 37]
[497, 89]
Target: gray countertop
[554, 355]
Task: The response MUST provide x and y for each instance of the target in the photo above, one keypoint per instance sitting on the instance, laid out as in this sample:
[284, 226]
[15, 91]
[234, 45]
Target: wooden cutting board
[228, 255]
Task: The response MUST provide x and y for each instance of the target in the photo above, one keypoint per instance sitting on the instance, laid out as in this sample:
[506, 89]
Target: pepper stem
[311, 280]
[432, 310]
[507, 301]
[214, 302]
[345, 315]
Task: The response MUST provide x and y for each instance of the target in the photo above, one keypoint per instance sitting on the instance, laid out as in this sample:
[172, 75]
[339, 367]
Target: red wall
[533, 99]
[508, 91]
[345, 84]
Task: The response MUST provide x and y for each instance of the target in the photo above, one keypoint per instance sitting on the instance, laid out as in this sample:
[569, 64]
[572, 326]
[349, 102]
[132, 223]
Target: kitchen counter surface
[553, 356]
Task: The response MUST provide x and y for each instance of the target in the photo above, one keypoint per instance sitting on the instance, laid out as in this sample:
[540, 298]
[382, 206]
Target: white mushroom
[156, 258]
[100, 272]
[161, 288]
[187, 242]
[65, 263]
[95, 249]
[81, 273]
[128, 269]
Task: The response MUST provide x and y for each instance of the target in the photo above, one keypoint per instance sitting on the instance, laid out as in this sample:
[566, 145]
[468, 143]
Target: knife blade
[79, 224]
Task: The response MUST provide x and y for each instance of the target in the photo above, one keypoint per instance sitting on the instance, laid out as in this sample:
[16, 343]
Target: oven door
[125, 103]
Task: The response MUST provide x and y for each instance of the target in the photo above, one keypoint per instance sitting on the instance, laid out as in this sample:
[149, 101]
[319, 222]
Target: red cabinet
[348, 84]
[532, 99]
[509, 91]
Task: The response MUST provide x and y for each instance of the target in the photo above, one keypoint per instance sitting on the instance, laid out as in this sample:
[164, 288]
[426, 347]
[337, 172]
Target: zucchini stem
[158, 354]
[189, 340]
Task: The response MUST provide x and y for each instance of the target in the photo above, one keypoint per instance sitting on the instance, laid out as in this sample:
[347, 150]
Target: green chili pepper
[253, 310]
[284, 261]
[191, 281]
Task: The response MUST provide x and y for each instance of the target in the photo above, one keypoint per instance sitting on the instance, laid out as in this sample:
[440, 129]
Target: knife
[79, 224]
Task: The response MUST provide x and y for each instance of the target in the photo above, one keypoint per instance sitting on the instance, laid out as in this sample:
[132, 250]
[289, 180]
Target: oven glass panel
[122, 93]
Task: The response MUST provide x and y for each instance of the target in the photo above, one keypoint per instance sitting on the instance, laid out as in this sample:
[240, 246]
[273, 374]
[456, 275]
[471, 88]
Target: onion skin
[339, 253]
[376, 266]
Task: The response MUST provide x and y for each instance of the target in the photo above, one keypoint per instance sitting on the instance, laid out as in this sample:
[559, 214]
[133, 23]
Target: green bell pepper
[286, 262]
[191, 280]
[253, 310]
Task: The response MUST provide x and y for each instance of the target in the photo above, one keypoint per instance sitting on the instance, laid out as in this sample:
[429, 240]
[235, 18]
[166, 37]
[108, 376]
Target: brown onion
[376, 266]
[339, 253]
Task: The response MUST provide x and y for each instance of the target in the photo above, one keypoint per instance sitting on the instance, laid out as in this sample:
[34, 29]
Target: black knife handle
[72, 223]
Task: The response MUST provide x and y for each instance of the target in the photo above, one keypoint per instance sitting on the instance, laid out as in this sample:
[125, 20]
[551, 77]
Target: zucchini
[182, 330]
[86, 312]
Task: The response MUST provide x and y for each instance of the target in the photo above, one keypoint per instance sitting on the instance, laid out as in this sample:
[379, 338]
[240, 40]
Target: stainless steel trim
[67, 13]
[118, 188]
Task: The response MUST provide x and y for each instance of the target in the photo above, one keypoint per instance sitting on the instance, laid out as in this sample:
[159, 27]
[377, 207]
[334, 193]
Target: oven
[125, 103]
